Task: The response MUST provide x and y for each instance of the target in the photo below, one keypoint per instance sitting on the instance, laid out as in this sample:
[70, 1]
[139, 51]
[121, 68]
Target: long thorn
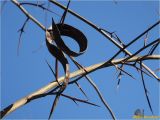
[145, 90]
[81, 89]
[54, 105]
[21, 32]
[79, 100]
[65, 13]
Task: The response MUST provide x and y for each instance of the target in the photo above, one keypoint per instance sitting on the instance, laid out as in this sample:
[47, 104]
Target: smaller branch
[39, 6]
[28, 15]
[153, 48]
[137, 68]
[157, 41]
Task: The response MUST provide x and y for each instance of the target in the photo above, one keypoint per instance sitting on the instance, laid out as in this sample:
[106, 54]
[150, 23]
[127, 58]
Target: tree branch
[92, 25]
[89, 69]
[28, 15]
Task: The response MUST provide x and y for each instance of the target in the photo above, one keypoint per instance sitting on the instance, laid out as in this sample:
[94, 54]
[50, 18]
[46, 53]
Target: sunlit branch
[52, 85]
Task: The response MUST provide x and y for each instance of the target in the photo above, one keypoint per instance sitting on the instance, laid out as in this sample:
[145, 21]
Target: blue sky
[23, 74]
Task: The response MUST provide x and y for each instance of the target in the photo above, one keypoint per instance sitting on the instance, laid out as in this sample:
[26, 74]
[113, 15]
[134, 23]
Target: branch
[28, 15]
[95, 27]
[52, 85]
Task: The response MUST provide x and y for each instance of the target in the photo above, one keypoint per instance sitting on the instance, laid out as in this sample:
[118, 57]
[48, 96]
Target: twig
[39, 6]
[28, 15]
[137, 68]
[157, 41]
[153, 48]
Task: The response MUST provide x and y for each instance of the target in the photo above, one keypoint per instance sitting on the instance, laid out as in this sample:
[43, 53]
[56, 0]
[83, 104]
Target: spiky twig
[41, 6]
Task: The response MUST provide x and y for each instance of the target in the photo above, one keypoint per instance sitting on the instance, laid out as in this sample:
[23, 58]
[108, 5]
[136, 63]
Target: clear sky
[23, 74]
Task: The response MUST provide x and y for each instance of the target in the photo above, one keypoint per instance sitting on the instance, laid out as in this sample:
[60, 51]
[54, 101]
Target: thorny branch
[96, 28]
[81, 72]
[84, 71]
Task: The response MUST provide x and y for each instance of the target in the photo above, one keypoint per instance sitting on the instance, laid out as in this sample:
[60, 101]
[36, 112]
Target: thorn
[54, 105]
[21, 30]
[79, 100]
[65, 13]
[81, 90]
[145, 89]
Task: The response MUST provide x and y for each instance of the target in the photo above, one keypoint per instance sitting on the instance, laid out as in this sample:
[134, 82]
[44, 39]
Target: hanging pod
[58, 48]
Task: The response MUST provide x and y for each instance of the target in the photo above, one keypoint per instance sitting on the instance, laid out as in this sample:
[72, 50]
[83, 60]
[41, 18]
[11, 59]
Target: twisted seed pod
[58, 48]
